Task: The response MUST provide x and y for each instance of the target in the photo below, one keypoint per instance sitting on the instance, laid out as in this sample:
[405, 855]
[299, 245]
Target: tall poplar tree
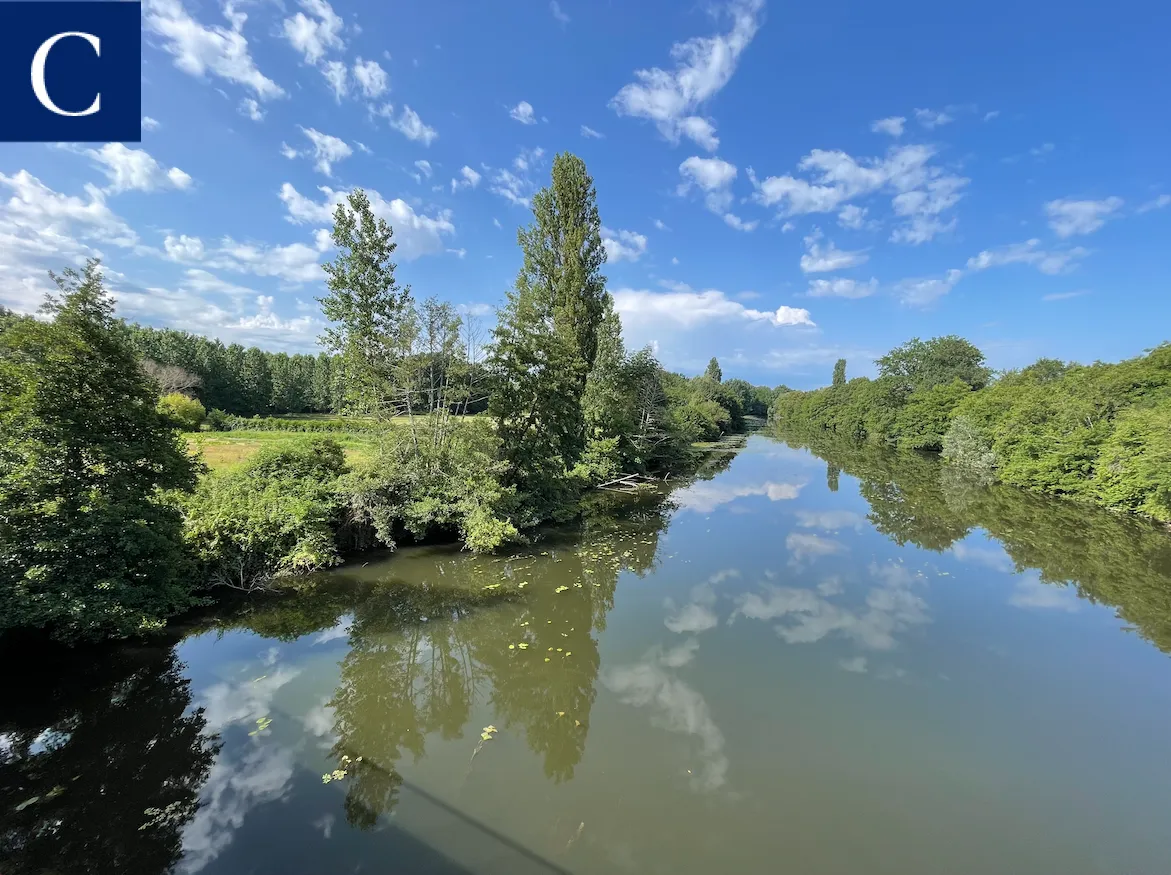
[547, 335]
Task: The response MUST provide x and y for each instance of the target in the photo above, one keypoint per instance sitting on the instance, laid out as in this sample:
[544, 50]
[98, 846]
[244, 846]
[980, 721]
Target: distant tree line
[1100, 432]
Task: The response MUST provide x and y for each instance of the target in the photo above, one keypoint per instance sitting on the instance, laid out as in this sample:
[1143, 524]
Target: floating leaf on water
[487, 736]
[26, 803]
[492, 586]
[561, 589]
[326, 778]
[558, 649]
[546, 659]
[577, 723]
[523, 646]
[512, 647]
[569, 653]
[262, 677]
[560, 713]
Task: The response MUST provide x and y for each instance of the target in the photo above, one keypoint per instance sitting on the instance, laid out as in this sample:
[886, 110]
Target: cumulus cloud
[424, 167]
[852, 217]
[150, 124]
[316, 33]
[327, 150]
[518, 187]
[921, 191]
[371, 78]
[135, 169]
[823, 259]
[468, 178]
[338, 77]
[705, 496]
[713, 176]
[415, 233]
[523, 113]
[687, 308]
[840, 287]
[1052, 262]
[202, 50]
[893, 125]
[673, 98]
[250, 108]
[1068, 217]
[408, 124]
[293, 263]
[623, 245]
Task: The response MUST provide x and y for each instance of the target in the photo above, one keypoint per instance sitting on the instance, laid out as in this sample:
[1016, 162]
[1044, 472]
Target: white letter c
[38, 71]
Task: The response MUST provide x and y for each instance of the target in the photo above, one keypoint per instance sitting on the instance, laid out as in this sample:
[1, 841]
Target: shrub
[277, 515]
[187, 413]
[966, 446]
[1133, 471]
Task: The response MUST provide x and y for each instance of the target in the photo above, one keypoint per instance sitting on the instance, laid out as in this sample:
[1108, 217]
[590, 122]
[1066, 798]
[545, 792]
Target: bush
[278, 515]
[217, 420]
[187, 413]
[966, 446]
[451, 488]
[276, 423]
[1133, 471]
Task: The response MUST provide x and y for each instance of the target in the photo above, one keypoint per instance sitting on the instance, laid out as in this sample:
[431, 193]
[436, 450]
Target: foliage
[87, 545]
[298, 424]
[277, 515]
[451, 489]
[919, 364]
[713, 372]
[1095, 432]
[839, 372]
[187, 413]
[367, 309]
[547, 336]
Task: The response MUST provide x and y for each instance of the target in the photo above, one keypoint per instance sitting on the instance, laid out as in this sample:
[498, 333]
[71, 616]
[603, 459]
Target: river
[860, 665]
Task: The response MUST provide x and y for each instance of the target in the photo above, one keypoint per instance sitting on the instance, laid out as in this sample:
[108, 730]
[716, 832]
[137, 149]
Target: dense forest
[1099, 433]
[111, 524]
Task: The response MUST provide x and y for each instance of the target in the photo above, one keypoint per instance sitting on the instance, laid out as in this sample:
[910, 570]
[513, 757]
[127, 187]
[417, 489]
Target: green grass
[227, 449]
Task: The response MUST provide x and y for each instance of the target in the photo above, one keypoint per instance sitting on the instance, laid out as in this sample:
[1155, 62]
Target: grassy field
[226, 449]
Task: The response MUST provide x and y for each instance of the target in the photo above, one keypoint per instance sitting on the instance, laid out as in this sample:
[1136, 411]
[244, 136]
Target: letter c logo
[38, 72]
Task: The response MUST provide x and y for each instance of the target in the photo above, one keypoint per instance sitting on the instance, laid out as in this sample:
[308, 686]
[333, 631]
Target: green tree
[840, 372]
[88, 545]
[370, 312]
[187, 413]
[922, 364]
[713, 371]
[547, 333]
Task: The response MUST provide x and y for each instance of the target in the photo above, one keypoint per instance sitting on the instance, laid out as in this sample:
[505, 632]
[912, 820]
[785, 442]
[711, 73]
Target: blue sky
[781, 184]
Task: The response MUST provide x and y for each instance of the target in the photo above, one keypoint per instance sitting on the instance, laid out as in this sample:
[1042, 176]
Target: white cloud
[590, 133]
[327, 150]
[250, 108]
[1030, 592]
[371, 78]
[1070, 217]
[424, 167]
[921, 191]
[822, 259]
[893, 125]
[468, 178]
[852, 217]
[416, 234]
[558, 12]
[409, 124]
[661, 225]
[200, 50]
[1052, 262]
[621, 245]
[42, 218]
[831, 521]
[703, 66]
[288, 151]
[840, 287]
[734, 221]
[294, 263]
[1158, 203]
[687, 308]
[316, 33]
[517, 189]
[527, 158]
[923, 291]
[803, 546]
[989, 116]
[135, 169]
[856, 664]
[523, 113]
[337, 76]
[930, 118]
[458, 253]
[150, 124]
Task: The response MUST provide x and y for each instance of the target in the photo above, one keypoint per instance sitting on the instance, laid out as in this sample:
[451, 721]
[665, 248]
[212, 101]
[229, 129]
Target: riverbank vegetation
[425, 428]
[1100, 433]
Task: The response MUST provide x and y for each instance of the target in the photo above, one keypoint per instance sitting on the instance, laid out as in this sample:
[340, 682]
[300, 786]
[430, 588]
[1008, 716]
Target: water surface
[860, 665]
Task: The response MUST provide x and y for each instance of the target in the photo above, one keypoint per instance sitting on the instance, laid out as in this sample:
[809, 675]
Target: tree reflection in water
[102, 772]
[1109, 559]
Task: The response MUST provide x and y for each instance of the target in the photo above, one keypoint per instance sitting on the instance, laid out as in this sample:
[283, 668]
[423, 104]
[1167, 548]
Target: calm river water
[855, 666]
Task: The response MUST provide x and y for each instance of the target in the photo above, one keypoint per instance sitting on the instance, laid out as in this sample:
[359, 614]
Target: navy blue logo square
[70, 71]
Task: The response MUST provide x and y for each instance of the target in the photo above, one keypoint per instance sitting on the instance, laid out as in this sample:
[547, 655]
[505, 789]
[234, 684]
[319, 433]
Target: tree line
[1099, 433]
[110, 525]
